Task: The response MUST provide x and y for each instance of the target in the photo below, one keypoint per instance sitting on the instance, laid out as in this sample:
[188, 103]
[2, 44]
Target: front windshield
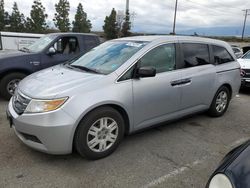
[246, 56]
[41, 43]
[108, 56]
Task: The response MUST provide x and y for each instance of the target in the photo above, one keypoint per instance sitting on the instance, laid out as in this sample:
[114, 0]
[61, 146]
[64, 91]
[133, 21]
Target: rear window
[221, 55]
[195, 54]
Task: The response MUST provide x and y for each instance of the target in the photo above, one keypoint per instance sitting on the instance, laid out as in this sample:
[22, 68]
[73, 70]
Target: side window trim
[1, 44]
[134, 64]
[211, 57]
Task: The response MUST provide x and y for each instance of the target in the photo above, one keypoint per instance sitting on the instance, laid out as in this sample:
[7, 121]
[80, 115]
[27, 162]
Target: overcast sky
[154, 16]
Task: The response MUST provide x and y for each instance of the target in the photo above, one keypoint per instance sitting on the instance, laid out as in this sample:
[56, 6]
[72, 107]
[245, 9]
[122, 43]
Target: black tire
[81, 135]
[6, 80]
[213, 111]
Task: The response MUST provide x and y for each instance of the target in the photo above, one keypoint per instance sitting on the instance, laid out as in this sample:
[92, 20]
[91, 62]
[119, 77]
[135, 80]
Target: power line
[208, 8]
[215, 4]
[244, 25]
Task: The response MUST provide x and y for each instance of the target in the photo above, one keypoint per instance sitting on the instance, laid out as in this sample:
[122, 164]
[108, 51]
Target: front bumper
[50, 132]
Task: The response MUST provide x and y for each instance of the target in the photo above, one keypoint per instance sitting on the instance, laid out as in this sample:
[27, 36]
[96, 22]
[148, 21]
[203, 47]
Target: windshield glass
[108, 56]
[247, 55]
[40, 44]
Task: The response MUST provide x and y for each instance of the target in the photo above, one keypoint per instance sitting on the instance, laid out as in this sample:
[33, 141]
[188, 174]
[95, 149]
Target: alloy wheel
[102, 134]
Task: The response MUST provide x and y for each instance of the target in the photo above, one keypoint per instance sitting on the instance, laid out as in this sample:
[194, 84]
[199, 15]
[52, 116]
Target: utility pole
[127, 5]
[244, 25]
[176, 2]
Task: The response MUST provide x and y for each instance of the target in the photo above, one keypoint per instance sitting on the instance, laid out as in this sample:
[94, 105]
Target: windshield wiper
[85, 69]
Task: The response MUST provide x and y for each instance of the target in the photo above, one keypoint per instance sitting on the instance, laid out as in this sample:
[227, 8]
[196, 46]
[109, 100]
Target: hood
[244, 63]
[239, 169]
[11, 53]
[236, 165]
[56, 82]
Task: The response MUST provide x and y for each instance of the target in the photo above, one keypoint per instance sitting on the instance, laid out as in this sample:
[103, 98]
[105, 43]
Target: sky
[154, 16]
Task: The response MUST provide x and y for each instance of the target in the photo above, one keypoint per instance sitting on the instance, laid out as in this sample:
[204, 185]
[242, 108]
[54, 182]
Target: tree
[37, 21]
[81, 23]
[17, 20]
[110, 26]
[126, 25]
[61, 19]
[6, 19]
[2, 15]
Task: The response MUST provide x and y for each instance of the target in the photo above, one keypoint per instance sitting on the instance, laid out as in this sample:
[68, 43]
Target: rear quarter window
[221, 55]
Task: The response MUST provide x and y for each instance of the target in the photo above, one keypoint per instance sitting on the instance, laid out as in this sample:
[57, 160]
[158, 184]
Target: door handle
[180, 82]
[186, 81]
[176, 82]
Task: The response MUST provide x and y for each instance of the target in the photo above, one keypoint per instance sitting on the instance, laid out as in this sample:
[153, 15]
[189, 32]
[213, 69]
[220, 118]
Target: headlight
[220, 181]
[36, 106]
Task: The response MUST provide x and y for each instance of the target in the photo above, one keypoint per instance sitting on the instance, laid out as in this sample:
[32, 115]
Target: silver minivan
[120, 87]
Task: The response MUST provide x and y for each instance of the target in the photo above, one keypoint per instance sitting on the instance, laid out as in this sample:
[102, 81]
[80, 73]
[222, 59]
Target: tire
[12, 78]
[89, 131]
[222, 97]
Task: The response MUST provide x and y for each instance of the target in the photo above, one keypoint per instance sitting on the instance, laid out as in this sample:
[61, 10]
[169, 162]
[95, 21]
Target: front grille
[20, 102]
[246, 73]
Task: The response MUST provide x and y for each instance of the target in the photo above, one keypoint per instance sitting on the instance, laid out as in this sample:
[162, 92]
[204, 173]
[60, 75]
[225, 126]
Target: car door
[65, 48]
[198, 76]
[156, 98]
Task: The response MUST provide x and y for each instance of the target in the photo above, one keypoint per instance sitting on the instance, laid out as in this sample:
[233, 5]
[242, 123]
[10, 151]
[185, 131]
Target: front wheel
[220, 102]
[9, 83]
[99, 133]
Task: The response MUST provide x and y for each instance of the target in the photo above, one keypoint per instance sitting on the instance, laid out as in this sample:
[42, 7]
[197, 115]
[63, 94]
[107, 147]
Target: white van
[16, 41]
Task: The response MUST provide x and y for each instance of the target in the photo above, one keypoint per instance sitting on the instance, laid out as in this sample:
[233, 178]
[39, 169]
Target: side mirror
[143, 72]
[51, 51]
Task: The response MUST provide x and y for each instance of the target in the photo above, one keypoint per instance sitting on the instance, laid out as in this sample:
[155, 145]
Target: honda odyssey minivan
[120, 87]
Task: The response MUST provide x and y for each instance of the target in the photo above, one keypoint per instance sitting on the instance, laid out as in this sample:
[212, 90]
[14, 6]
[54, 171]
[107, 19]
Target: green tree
[37, 21]
[61, 19]
[126, 26]
[110, 26]
[2, 15]
[6, 19]
[81, 23]
[17, 20]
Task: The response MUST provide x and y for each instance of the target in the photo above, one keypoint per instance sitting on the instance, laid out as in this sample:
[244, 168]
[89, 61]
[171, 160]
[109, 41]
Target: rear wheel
[99, 133]
[9, 83]
[220, 102]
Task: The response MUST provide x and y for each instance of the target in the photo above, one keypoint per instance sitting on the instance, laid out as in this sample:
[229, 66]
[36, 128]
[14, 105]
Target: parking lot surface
[179, 154]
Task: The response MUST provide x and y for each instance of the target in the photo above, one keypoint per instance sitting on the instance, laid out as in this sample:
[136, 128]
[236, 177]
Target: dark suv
[50, 50]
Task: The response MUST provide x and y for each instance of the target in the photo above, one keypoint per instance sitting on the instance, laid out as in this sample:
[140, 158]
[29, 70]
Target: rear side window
[195, 54]
[90, 42]
[221, 55]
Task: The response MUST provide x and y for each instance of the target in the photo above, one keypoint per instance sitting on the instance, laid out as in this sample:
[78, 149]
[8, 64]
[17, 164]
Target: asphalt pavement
[180, 154]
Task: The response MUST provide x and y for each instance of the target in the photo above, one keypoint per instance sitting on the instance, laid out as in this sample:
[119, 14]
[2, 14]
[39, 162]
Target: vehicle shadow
[138, 137]
[245, 90]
